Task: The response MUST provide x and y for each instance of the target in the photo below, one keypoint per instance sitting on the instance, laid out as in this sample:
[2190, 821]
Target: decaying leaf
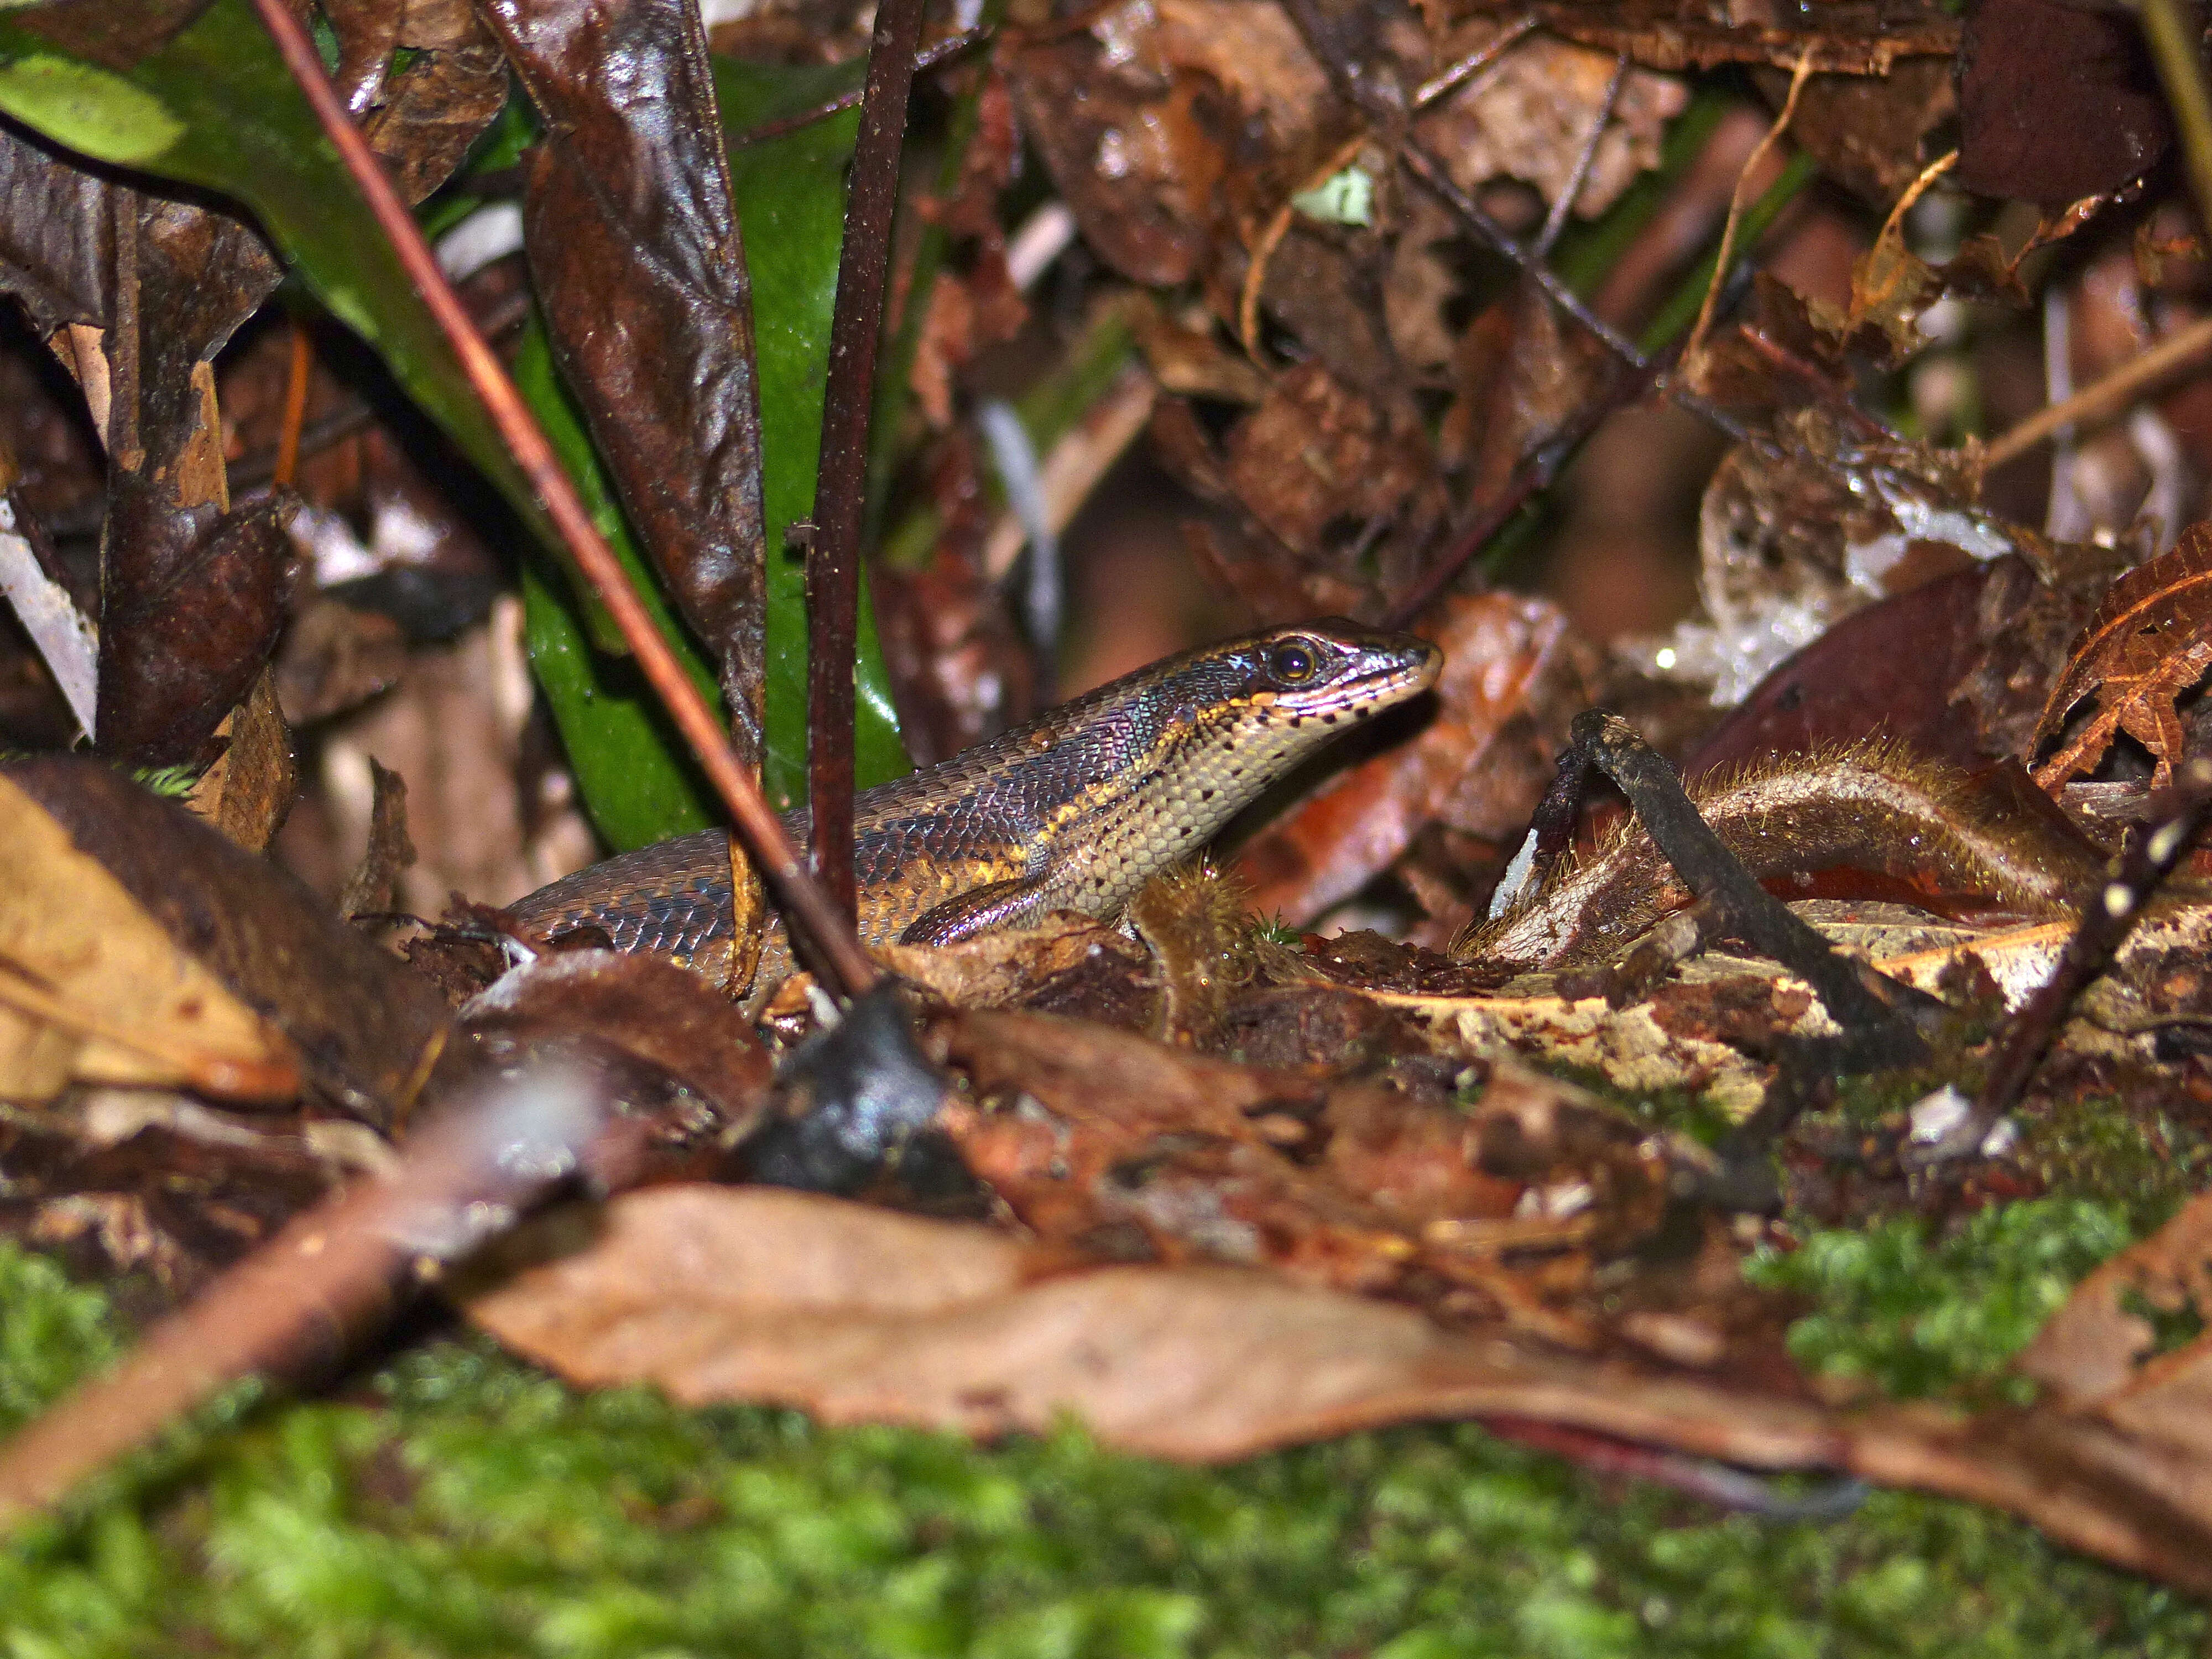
[92, 989]
[2056, 102]
[373, 887]
[1116, 1147]
[1870, 133]
[861, 1314]
[637, 257]
[2149, 643]
[248, 791]
[1529, 115]
[364, 1031]
[1317, 454]
[1849, 37]
[665, 1051]
[1892, 669]
[2101, 1350]
[1138, 171]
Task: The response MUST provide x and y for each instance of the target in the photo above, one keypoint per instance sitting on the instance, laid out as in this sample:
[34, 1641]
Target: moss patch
[479, 1507]
[1916, 1316]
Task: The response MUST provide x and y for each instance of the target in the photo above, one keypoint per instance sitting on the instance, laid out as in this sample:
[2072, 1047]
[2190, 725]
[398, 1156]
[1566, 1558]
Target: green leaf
[1343, 199]
[216, 107]
[631, 766]
[77, 104]
[791, 203]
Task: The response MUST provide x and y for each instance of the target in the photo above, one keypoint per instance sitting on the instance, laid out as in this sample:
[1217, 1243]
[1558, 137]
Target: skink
[1075, 810]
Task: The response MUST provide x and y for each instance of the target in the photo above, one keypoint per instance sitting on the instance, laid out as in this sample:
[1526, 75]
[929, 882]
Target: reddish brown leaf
[2149, 643]
[1848, 37]
[718, 1294]
[1138, 172]
[149, 290]
[1867, 131]
[93, 990]
[2056, 102]
[248, 793]
[1889, 670]
[1317, 454]
[672, 1058]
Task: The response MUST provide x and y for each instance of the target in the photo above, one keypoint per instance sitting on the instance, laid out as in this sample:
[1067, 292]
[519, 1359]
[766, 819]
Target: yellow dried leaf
[93, 990]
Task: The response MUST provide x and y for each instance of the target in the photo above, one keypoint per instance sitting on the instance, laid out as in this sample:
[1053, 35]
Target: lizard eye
[1293, 662]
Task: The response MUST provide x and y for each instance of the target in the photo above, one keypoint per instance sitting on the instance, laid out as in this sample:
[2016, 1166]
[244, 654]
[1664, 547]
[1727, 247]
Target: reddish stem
[833, 563]
[836, 949]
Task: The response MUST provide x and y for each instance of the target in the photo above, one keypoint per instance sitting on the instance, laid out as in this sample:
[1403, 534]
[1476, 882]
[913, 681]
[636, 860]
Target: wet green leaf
[631, 766]
[791, 202]
[216, 107]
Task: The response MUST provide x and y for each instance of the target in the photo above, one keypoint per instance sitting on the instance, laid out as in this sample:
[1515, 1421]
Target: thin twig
[1371, 96]
[1271, 238]
[1913, 192]
[298, 1301]
[1738, 199]
[1473, 63]
[833, 563]
[1427, 168]
[1879, 1016]
[2108, 397]
[839, 951]
[2108, 913]
[1535, 474]
[1556, 220]
[928, 59]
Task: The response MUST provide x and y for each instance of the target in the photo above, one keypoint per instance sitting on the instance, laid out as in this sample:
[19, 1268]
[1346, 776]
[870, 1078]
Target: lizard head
[1333, 672]
[1245, 712]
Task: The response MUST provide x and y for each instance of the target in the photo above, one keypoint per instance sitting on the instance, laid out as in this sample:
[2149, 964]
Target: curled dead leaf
[93, 990]
[2149, 643]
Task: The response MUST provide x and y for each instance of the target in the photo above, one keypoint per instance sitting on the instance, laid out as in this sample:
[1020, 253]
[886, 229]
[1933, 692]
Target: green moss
[2138, 1159]
[481, 1508]
[52, 1333]
[1915, 1317]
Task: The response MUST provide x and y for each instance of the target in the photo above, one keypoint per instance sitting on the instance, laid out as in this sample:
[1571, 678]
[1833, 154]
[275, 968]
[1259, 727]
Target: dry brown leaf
[1138, 170]
[859, 1315]
[2149, 643]
[1067, 964]
[93, 990]
[1317, 454]
[1251, 48]
[1529, 117]
[2100, 1349]
[1846, 37]
[365, 1029]
[1796, 532]
[373, 887]
[249, 790]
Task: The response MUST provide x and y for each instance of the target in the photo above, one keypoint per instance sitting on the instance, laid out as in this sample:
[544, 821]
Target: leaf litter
[1213, 1185]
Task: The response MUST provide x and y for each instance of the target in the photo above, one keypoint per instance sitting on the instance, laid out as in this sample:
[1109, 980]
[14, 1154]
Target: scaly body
[1075, 810]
